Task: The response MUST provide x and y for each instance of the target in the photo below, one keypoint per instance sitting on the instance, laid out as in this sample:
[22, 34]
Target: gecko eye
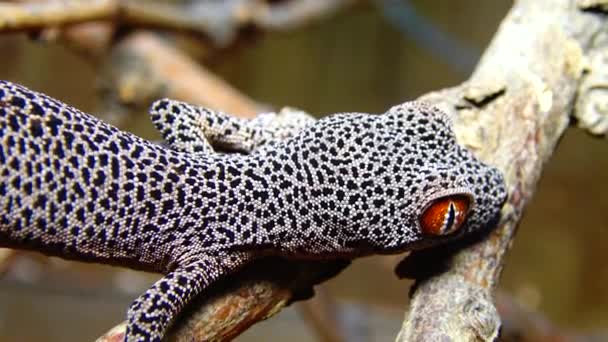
[445, 215]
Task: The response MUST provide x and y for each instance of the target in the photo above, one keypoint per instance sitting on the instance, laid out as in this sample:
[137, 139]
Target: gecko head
[398, 181]
[448, 192]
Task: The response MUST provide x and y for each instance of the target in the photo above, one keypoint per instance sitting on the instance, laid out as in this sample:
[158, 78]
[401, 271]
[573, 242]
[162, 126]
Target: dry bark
[251, 295]
[511, 113]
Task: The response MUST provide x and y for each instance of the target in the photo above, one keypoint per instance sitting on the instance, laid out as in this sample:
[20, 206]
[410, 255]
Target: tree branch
[6, 258]
[33, 16]
[238, 301]
[591, 110]
[511, 113]
[520, 324]
[143, 68]
[218, 21]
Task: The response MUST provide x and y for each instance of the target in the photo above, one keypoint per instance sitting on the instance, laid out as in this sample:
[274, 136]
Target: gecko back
[73, 186]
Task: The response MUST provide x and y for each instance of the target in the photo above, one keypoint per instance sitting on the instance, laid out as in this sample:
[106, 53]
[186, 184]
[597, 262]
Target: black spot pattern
[348, 185]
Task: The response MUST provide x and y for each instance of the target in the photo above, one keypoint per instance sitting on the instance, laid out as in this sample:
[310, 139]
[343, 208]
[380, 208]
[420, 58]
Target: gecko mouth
[412, 245]
[361, 245]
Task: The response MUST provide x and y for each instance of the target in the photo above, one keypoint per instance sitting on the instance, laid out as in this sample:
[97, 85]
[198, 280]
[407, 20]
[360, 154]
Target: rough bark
[251, 295]
[511, 113]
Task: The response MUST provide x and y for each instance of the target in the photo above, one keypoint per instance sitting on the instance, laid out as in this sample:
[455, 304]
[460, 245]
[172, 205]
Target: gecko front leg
[194, 129]
[151, 314]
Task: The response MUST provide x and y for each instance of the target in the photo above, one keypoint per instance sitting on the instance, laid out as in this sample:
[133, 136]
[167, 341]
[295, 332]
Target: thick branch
[511, 113]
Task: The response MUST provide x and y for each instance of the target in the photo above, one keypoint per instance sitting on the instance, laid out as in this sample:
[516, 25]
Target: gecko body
[348, 185]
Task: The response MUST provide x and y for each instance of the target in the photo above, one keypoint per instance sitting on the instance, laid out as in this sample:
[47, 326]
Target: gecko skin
[347, 185]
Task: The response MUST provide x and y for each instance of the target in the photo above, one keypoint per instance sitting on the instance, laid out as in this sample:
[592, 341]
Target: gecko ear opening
[445, 215]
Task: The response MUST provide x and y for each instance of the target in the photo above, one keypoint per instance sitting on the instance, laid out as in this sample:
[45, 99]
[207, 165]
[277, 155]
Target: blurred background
[363, 58]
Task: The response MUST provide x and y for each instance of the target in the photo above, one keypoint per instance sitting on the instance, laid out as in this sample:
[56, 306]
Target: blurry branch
[521, 324]
[143, 68]
[321, 312]
[219, 21]
[33, 16]
[89, 40]
[511, 113]
[6, 259]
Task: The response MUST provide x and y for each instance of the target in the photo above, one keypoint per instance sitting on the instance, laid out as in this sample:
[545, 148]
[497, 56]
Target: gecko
[345, 186]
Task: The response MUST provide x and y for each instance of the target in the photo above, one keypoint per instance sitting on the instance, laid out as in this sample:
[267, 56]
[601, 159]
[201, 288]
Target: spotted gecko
[348, 185]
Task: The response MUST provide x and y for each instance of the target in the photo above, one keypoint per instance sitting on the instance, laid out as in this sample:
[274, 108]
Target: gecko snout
[491, 194]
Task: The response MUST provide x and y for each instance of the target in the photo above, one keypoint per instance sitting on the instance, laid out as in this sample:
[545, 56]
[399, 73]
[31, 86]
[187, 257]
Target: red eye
[445, 215]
